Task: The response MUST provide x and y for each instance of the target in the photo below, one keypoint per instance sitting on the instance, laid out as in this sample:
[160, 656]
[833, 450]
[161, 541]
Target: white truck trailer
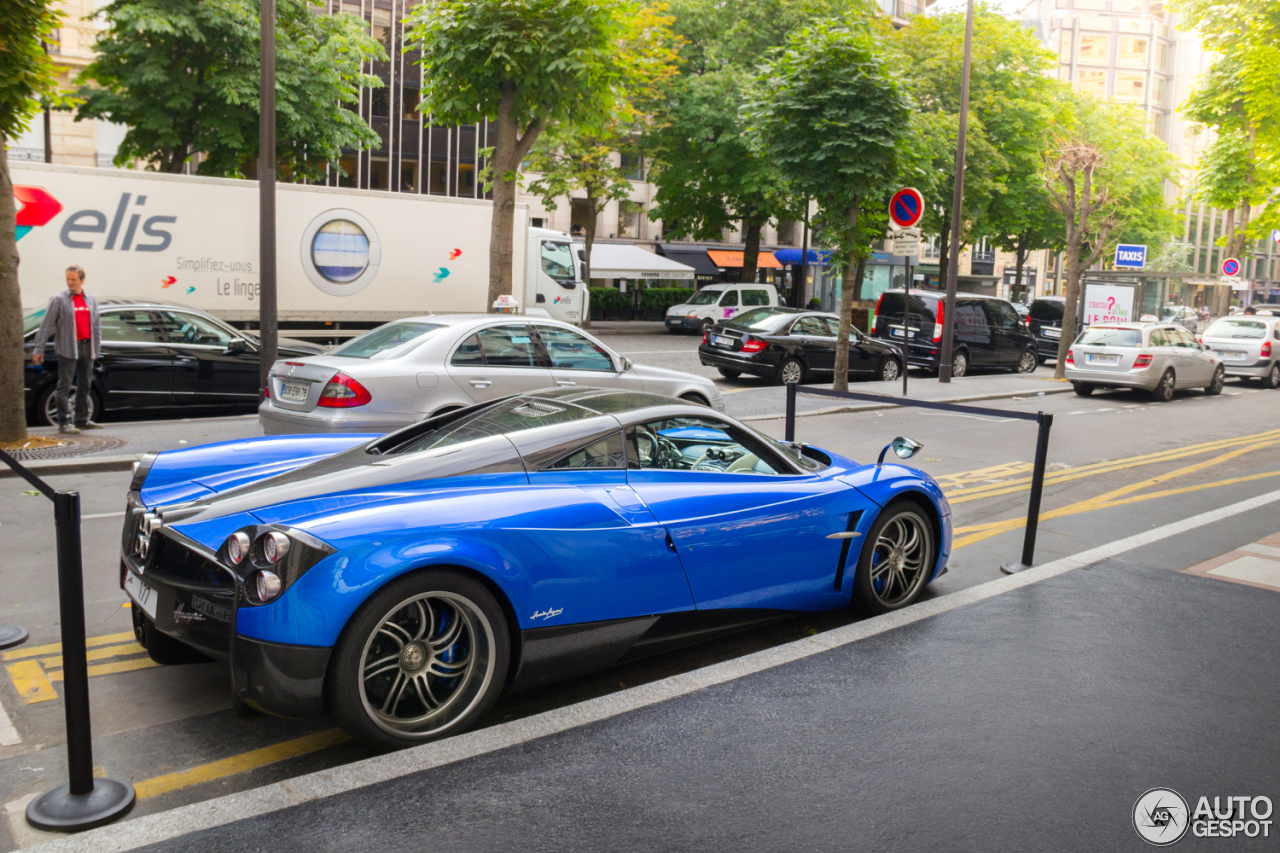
[346, 259]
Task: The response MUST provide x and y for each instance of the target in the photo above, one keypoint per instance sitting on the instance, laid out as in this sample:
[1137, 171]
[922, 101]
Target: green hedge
[609, 299]
[662, 298]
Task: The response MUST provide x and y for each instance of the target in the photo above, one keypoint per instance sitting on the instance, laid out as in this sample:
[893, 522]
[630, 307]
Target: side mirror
[626, 363]
[237, 346]
[904, 447]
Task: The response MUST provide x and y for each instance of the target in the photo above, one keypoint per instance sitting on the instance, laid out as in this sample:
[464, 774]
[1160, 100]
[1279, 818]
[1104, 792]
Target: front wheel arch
[695, 398]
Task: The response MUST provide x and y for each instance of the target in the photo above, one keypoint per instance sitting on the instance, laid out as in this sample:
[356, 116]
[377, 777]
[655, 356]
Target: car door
[750, 531]
[1193, 362]
[864, 355]
[136, 370]
[1007, 329]
[727, 306]
[816, 343]
[974, 331]
[212, 364]
[577, 360]
[499, 360]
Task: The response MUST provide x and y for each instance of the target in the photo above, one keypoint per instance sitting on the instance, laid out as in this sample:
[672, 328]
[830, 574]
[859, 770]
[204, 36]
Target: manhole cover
[70, 445]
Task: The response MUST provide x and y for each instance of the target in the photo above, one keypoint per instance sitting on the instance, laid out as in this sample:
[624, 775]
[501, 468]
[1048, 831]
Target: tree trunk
[850, 289]
[1074, 269]
[1020, 258]
[13, 410]
[750, 250]
[589, 240]
[508, 152]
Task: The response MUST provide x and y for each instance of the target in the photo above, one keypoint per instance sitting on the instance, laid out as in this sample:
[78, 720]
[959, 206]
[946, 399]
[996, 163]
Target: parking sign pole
[790, 430]
[1033, 504]
[267, 305]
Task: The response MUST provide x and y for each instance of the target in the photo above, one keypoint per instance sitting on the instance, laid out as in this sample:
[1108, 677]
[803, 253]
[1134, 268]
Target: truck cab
[554, 285]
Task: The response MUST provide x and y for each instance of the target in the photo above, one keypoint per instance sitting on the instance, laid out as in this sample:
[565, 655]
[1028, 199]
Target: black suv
[988, 333]
[1045, 321]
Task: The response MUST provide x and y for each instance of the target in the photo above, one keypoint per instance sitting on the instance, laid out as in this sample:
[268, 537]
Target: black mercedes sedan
[156, 355]
[790, 345]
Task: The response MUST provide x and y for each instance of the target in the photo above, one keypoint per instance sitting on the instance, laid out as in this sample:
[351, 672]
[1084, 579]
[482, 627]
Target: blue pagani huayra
[399, 583]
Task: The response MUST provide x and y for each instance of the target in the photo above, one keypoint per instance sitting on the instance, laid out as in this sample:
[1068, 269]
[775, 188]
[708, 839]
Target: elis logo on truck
[35, 208]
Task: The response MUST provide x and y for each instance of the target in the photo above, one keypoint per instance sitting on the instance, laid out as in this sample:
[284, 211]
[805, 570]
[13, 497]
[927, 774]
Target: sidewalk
[1028, 713]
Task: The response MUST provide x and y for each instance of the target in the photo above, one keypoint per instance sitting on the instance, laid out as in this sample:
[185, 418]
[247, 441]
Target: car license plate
[1230, 355]
[1051, 332]
[1103, 358]
[294, 391]
[897, 333]
[722, 341]
[144, 595]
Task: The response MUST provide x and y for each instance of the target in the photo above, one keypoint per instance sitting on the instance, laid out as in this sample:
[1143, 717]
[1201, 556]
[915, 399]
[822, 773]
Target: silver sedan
[1155, 357]
[408, 370]
[1249, 346]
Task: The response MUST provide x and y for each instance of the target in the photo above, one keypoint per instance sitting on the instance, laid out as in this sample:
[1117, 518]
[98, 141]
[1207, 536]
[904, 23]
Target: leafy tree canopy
[26, 74]
[183, 76]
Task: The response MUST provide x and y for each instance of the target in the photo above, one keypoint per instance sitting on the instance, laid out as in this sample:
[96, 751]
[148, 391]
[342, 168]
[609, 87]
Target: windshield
[1237, 328]
[557, 261]
[706, 296]
[760, 320]
[386, 341]
[1170, 313]
[31, 320]
[1106, 336]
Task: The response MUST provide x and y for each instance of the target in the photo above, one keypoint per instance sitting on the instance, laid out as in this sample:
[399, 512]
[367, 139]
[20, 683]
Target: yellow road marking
[30, 682]
[98, 654]
[994, 472]
[112, 668]
[56, 648]
[239, 763]
[1105, 467]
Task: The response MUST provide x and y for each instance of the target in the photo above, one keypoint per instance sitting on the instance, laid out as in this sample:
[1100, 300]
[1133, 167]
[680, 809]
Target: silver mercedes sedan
[1155, 357]
[410, 369]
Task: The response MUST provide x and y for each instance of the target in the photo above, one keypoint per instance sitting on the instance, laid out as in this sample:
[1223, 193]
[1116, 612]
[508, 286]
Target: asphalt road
[1119, 465]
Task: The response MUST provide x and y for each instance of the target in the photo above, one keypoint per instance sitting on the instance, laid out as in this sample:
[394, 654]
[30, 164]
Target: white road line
[8, 734]
[163, 826]
[101, 515]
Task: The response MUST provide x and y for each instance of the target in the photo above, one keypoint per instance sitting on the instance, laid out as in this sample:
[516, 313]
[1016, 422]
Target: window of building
[537, 222]
[408, 176]
[1161, 85]
[632, 166]
[379, 176]
[1133, 52]
[787, 232]
[1066, 45]
[409, 104]
[1162, 57]
[380, 101]
[1131, 86]
[628, 220]
[1095, 50]
[439, 173]
[347, 171]
[1092, 82]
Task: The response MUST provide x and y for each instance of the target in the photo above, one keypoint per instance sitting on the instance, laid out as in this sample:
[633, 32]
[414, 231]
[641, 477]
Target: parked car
[1265, 309]
[1045, 323]
[1183, 315]
[987, 333]
[400, 373]
[717, 302]
[399, 584]
[1249, 346]
[156, 355]
[1155, 357]
[789, 345]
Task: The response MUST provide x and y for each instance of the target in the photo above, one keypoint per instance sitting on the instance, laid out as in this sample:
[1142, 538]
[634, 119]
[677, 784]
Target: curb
[77, 465]
[871, 407]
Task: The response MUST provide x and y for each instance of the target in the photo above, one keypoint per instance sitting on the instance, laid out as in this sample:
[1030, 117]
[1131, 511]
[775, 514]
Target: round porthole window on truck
[340, 252]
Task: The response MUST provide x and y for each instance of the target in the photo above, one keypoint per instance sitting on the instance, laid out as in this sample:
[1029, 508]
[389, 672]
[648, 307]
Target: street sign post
[1130, 256]
[906, 207]
[905, 242]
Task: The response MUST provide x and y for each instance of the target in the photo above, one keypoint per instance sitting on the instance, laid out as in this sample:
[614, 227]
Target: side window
[1008, 316]
[833, 327]
[193, 329]
[755, 297]
[810, 326]
[129, 327]
[730, 299]
[704, 445]
[1184, 339]
[557, 260]
[608, 452]
[571, 351]
[509, 346]
[468, 352]
[969, 316]
[1158, 338]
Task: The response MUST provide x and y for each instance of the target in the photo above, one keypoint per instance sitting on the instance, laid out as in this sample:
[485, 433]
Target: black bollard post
[84, 802]
[790, 430]
[1033, 505]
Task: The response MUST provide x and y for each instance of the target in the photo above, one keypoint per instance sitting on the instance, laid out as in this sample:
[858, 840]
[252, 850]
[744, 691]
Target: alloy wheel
[1273, 378]
[1028, 362]
[51, 408]
[1217, 383]
[792, 371]
[427, 664]
[959, 364]
[889, 370]
[899, 561]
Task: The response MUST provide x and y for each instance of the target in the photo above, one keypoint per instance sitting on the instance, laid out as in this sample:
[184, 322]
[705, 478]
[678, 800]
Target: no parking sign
[906, 208]
[1231, 267]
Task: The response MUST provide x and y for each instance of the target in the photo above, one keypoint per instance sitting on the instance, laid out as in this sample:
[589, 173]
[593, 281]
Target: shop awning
[817, 257]
[623, 260]
[730, 258]
[692, 256]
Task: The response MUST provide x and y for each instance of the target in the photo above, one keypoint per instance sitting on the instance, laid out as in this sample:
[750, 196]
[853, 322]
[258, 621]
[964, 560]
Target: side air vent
[854, 517]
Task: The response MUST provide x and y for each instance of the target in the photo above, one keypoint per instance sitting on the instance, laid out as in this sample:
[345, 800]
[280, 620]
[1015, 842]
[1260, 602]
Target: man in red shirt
[72, 321]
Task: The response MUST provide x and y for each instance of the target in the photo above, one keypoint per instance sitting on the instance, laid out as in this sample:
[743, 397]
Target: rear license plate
[1230, 355]
[1051, 333]
[722, 341]
[1103, 358]
[294, 392]
[143, 595]
[897, 333]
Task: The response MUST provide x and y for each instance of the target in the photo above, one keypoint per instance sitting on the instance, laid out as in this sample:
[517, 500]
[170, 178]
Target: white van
[717, 302]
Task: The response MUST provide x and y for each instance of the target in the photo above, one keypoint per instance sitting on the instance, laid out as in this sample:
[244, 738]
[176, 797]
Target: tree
[26, 77]
[574, 156]
[833, 119]
[524, 65]
[1104, 174]
[183, 76]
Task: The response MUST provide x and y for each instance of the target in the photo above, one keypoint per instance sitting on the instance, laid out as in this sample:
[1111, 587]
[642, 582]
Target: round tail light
[274, 546]
[237, 547]
[266, 586]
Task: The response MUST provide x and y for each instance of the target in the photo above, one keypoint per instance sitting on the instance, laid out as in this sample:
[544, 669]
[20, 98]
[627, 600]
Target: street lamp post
[267, 325]
[957, 205]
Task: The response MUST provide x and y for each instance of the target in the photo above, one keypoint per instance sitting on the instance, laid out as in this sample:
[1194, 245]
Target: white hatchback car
[1249, 346]
[400, 373]
[1155, 357]
[717, 302]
